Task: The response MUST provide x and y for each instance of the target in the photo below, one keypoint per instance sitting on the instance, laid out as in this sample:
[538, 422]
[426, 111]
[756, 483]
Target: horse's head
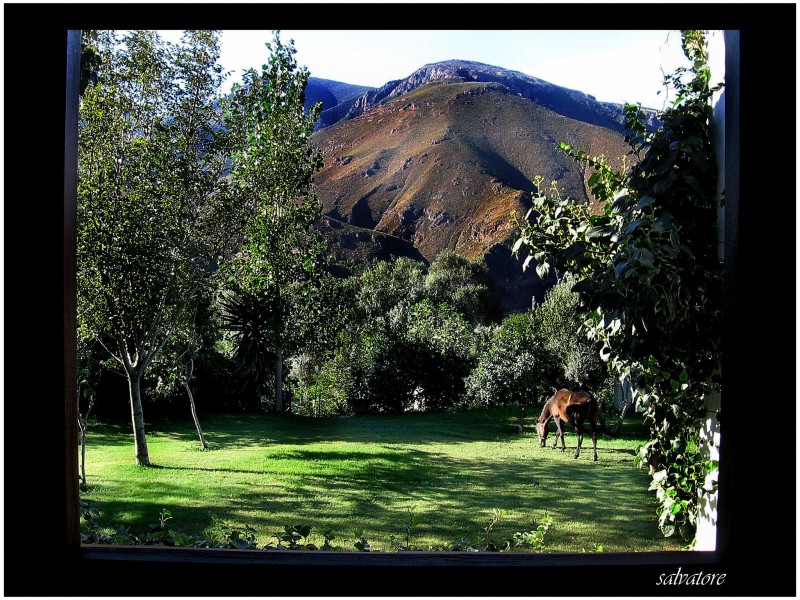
[541, 427]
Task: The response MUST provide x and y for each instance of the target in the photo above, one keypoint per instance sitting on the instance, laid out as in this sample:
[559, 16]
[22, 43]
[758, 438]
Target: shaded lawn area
[349, 474]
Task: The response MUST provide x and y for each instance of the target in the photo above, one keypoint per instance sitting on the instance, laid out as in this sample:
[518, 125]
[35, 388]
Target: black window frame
[181, 571]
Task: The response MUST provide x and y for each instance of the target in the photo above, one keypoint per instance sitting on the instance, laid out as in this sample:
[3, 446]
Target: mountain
[337, 98]
[441, 159]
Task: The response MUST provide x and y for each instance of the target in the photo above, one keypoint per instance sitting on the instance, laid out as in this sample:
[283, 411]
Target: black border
[759, 366]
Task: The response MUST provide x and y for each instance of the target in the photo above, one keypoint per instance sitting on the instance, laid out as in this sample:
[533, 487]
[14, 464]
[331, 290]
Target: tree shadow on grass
[453, 495]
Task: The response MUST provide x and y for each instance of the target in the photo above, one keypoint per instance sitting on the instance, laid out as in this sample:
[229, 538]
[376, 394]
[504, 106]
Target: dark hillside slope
[337, 98]
[442, 167]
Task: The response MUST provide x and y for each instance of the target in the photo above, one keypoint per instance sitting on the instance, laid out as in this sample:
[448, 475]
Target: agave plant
[253, 325]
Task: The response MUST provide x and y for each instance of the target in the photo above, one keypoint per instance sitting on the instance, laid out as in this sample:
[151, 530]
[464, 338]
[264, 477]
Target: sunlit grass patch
[447, 471]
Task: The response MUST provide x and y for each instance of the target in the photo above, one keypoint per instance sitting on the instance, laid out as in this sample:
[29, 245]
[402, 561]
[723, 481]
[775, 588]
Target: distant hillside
[564, 101]
[439, 161]
[337, 98]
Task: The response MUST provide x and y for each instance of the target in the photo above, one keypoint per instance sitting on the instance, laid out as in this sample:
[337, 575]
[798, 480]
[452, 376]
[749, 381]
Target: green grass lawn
[365, 473]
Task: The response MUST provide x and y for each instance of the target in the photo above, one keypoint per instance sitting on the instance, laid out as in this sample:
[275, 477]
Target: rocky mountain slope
[442, 159]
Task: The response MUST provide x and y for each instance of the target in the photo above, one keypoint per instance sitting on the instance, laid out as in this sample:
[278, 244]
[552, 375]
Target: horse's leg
[594, 439]
[561, 433]
[558, 432]
[579, 432]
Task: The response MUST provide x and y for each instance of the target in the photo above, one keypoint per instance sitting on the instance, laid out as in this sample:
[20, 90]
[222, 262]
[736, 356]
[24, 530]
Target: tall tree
[154, 210]
[273, 176]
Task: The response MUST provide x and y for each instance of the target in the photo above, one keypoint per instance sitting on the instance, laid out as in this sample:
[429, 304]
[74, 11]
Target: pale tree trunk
[83, 422]
[137, 419]
[192, 406]
[279, 381]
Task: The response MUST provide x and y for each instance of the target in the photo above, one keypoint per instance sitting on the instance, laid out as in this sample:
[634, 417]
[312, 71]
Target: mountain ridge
[562, 100]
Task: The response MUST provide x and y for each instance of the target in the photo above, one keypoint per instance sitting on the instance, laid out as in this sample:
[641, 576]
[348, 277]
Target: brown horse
[570, 407]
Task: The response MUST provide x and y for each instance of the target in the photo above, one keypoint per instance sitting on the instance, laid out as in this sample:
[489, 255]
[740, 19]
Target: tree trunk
[137, 419]
[194, 415]
[279, 381]
[83, 452]
[83, 423]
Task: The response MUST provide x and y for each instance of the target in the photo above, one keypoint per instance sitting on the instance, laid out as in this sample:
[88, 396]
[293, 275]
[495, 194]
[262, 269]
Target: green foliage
[442, 349]
[251, 323]
[559, 326]
[404, 544]
[413, 358]
[294, 538]
[90, 59]
[648, 275]
[320, 391]
[464, 284]
[513, 366]
[361, 544]
[532, 540]
[387, 286]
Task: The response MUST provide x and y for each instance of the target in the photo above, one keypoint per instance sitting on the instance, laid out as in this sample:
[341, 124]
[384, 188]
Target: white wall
[707, 522]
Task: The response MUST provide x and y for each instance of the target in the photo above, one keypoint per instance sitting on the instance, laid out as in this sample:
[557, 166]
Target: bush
[514, 366]
[442, 352]
[464, 284]
[380, 368]
[320, 391]
[556, 320]
[415, 358]
[387, 285]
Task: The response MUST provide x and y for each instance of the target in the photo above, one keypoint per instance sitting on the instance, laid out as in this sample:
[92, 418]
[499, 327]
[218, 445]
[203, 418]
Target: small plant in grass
[489, 545]
[224, 535]
[327, 536]
[463, 546]
[533, 539]
[294, 538]
[361, 543]
[398, 545]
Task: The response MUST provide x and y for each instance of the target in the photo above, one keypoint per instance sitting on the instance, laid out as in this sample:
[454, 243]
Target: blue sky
[613, 66]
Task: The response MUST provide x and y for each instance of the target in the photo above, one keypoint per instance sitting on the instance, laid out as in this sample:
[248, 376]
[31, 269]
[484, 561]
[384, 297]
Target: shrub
[320, 391]
[513, 367]
[415, 358]
[557, 322]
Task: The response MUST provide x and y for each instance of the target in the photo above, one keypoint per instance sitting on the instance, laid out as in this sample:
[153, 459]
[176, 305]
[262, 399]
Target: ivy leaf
[633, 226]
[644, 202]
[527, 262]
[599, 231]
[645, 257]
[542, 270]
[574, 250]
